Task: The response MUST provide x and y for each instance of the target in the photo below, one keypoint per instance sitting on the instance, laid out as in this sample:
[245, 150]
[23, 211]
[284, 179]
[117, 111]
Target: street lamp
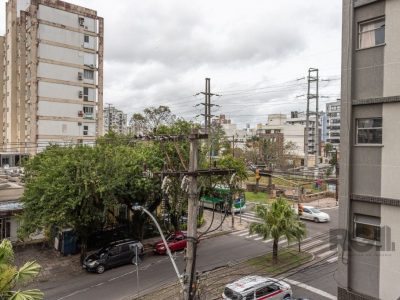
[141, 208]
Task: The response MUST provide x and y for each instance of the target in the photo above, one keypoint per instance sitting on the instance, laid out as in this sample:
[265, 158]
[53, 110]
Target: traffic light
[300, 209]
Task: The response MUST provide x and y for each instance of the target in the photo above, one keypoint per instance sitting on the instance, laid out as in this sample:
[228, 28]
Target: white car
[257, 287]
[311, 213]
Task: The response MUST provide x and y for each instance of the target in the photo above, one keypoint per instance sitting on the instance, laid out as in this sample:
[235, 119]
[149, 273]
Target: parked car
[311, 213]
[114, 254]
[176, 241]
[257, 287]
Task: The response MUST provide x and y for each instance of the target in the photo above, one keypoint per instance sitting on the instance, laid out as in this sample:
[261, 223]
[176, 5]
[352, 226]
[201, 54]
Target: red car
[176, 241]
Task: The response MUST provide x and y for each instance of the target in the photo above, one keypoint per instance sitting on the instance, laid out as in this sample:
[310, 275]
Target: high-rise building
[115, 120]
[53, 90]
[333, 123]
[369, 190]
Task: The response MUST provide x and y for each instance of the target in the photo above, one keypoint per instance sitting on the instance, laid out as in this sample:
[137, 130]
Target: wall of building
[61, 44]
[2, 88]
[389, 274]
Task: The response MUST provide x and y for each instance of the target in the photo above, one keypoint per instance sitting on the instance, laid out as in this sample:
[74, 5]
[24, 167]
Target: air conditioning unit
[80, 113]
[79, 123]
[81, 21]
[86, 27]
[80, 94]
[80, 76]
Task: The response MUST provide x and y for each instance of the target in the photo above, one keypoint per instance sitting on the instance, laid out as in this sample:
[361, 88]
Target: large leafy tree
[77, 187]
[151, 118]
[12, 278]
[278, 220]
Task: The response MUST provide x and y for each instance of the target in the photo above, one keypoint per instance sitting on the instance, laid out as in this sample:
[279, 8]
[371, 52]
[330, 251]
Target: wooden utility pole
[193, 204]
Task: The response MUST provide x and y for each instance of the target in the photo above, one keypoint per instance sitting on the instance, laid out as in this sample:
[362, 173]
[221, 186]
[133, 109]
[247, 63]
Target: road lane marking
[282, 242]
[311, 289]
[239, 232]
[311, 243]
[327, 253]
[267, 241]
[319, 248]
[243, 234]
[251, 236]
[333, 259]
[259, 238]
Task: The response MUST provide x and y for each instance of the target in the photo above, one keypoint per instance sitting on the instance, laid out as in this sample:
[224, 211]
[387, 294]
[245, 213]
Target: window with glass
[85, 130]
[367, 228]
[369, 131]
[86, 93]
[86, 39]
[5, 228]
[371, 33]
[88, 74]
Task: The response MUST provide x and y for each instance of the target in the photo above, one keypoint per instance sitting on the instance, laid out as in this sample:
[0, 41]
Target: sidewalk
[216, 229]
[322, 203]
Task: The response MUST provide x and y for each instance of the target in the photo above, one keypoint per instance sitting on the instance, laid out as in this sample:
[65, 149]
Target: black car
[114, 254]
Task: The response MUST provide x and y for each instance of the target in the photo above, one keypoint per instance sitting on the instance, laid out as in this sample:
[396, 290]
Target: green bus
[219, 197]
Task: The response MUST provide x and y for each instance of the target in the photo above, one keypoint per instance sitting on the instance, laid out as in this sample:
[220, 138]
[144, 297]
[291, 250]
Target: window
[367, 228]
[262, 292]
[85, 130]
[85, 93]
[369, 131]
[125, 248]
[88, 109]
[371, 33]
[5, 228]
[86, 39]
[88, 74]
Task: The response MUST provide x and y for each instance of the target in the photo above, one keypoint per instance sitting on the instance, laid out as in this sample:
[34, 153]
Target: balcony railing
[88, 116]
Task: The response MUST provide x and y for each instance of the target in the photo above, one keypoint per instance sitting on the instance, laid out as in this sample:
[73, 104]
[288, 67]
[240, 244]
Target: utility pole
[313, 78]
[317, 154]
[192, 220]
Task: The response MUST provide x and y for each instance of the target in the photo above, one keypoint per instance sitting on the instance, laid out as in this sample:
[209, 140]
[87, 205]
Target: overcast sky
[158, 52]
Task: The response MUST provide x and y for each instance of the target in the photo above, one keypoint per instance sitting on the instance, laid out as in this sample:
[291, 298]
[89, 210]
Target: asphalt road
[120, 283]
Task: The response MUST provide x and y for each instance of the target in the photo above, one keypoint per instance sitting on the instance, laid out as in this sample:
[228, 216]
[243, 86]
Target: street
[120, 283]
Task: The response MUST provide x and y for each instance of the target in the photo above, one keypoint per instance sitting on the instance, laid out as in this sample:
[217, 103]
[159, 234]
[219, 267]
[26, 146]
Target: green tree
[12, 278]
[79, 187]
[151, 118]
[278, 220]
[328, 149]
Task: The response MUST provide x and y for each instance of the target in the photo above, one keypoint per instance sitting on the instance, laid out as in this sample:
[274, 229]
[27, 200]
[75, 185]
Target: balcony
[88, 116]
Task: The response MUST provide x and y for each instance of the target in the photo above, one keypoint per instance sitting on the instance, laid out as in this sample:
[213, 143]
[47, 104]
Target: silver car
[257, 287]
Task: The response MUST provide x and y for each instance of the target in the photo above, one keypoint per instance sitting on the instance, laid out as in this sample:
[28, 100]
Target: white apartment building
[300, 119]
[294, 133]
[333, 123]
[53, 89]
[115, 120]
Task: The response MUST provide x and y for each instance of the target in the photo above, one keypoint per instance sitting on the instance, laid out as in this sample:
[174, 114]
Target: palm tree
[11, 277]
[278, 220]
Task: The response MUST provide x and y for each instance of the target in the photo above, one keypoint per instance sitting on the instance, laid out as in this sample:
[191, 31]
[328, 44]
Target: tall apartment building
[369, 203]
[115, 120]
[53, 90]
[298, 118]
[333, 123]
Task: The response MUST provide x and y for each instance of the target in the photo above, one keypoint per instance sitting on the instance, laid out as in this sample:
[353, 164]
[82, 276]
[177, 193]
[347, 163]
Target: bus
[219, 197]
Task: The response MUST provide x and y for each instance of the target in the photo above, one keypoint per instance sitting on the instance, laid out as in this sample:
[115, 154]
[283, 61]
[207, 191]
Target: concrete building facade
[53, 75]
[369, 199]
[115, 120]
[333, 123]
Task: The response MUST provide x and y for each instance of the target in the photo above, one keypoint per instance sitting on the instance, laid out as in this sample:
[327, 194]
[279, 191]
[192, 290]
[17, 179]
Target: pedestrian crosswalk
[319, 247]
[248, 216]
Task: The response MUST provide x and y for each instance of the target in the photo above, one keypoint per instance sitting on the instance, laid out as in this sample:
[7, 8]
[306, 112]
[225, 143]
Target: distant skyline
[159, 53]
